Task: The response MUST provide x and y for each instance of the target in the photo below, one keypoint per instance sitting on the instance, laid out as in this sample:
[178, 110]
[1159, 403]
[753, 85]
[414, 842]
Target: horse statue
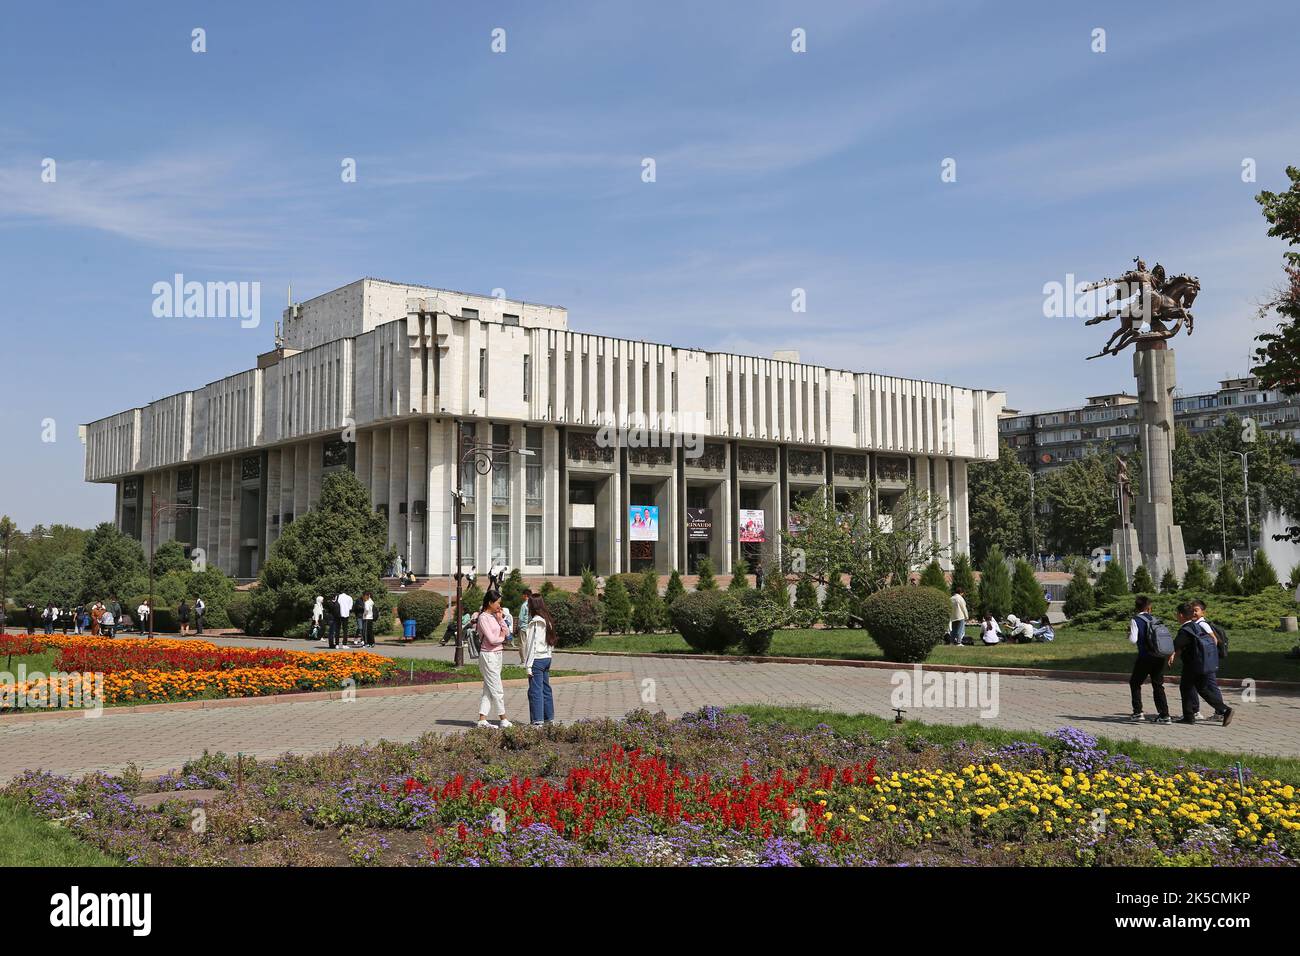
[1147, 298]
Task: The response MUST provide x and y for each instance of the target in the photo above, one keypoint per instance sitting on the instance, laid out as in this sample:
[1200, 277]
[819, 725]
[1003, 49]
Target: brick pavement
[162, 741]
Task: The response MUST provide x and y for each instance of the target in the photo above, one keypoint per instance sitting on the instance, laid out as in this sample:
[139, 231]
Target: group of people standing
[493, 628]
[330, 620]
[1202, 645]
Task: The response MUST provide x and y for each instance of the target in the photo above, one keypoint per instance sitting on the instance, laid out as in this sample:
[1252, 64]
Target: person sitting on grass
[1020, 632]
[990, 633]
[1043, 632]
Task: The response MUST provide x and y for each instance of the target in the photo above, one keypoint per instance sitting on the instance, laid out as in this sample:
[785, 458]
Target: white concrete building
[377, 377]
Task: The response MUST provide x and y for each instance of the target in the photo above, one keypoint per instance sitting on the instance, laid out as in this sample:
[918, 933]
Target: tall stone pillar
[1159, 540]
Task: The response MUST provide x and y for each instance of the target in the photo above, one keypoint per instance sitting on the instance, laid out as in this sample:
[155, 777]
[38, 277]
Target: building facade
[642, 454]
[1047, 440]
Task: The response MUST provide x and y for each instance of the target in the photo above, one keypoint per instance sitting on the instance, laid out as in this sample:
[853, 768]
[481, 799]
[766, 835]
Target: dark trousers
[367, 632]
[1145, 667]
[334, 632]
[198, 624]
[1206, 685]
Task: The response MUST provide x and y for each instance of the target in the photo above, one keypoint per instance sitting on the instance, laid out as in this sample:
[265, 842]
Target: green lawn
[26, 840]
[1285, 769]
[1256, 654]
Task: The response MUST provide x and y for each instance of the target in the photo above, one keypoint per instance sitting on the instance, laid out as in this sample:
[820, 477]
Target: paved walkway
[161, 741]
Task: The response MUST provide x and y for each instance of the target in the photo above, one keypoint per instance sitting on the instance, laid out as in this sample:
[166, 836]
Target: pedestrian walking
[1199, 678]
[957, 618]
[183, 616]
[142, 614]
[335, 620]
[1155, 648]
[345, 615]
[49, 616]
[539, 640]
[490, 629]
[115, 606]
[31, 619]
[200, 609]
[318, 619]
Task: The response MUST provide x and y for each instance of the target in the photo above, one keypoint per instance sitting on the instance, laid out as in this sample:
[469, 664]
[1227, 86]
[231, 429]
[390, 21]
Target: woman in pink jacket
[492, 634]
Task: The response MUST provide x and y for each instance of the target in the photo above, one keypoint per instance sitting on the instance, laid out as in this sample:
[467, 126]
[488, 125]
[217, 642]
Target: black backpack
[1160, 643]
[1222, 636]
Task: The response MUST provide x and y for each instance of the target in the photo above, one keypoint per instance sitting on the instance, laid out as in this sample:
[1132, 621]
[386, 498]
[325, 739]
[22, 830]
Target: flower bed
[161, 670]
[709, 789]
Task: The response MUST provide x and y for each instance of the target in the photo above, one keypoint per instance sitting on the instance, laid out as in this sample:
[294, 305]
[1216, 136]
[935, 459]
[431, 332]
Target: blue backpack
[1204, 650]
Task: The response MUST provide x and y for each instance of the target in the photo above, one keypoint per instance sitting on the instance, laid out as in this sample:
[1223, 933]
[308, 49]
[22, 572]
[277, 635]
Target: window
[708, 398]
[500, 468]
[533, 468]
[508, 319]
[500, 539]
[467, 474]
[482, 373]
[528, 378]
[469, 313]
[467, 547]
[533, 540]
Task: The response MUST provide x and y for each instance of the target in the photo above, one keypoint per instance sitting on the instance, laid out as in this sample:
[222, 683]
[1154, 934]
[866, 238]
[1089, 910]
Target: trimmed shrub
[1236, 613]
[1142, 583]
[695, 615]
[706, 582]
[1260, 576]
[805, 602]
[906, 622]
[576, 617]
[776, 587]
[547, 589]
[1169, 583]
[588, 585]
[1197, 577]
[749, 618]
[512, 590]
[1112, 585]
[236, 608]
[933, 576]
[426, 608]
[618, 606]
[739, 577]
[471, 599]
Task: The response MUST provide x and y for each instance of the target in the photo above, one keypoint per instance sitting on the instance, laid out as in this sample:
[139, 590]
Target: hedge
[695, 616]
[427, 608]
[576, 618]
[907, 622]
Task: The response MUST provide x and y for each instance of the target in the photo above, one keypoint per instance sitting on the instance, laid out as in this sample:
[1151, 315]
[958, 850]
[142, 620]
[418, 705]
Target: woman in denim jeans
[539, 640]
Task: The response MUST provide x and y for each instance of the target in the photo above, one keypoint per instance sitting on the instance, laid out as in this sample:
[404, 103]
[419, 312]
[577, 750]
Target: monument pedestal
[1125, 550]
[1159, 541]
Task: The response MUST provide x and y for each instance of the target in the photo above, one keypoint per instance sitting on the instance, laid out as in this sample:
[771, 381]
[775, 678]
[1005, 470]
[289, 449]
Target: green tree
[805, 602]
[618, 607]
[1079, 595]
[1112, 585]
[963, 576]
[1026, 593]
[1142, 583]
[838, 605]
[62, 583]
[776, 587]
[648, 612]
[340, 545]
[111, 562]
[1279, 352]
[706, 580]
[674, 590]
[739, 578]
[547, 589]
[1197, 577]
[1226, 581]
[1169, 583]
[588, 585]
[512, 590]
[168, 557]
[995, 595]
[933, 576]
[1081, 502]
[1261, 576]
[471, 599]
[1000, 505]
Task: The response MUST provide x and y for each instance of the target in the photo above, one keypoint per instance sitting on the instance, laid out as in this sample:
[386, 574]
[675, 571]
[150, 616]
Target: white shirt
[142, 611]
[990, 633]
[318, 611]
[1023, 629]
[535, 641]
[345, 605]
[368, 611]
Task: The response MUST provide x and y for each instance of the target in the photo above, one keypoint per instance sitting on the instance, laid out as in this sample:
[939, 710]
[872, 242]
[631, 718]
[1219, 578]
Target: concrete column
[941, 471]
[1160, 540]
[960, 505]
[417, 487]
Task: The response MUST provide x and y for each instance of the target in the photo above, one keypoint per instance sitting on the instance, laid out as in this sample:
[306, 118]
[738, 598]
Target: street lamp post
[483, 455]
[1245, 478]
[155, 510]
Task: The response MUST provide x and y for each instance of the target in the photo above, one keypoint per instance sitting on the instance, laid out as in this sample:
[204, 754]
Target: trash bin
[408, 629]
[1289, 624]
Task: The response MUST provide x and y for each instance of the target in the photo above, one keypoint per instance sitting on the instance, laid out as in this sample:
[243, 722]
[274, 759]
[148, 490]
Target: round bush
[745, 618]
[695, 616]
[426, 608]
[237, 608]
[906, 622]
[576, 617]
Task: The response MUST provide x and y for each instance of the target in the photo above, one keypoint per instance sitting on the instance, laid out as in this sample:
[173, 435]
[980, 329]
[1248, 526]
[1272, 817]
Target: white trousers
[489, 665]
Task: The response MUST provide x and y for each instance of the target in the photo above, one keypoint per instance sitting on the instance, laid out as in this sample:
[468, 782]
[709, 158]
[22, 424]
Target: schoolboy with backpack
[1155, 649]
[1199, 645]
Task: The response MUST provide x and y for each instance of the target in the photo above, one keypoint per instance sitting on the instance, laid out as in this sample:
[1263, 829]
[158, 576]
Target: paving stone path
[162, 741]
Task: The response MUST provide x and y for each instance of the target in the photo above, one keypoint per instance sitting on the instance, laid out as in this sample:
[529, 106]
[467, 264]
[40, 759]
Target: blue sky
[522, 171]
